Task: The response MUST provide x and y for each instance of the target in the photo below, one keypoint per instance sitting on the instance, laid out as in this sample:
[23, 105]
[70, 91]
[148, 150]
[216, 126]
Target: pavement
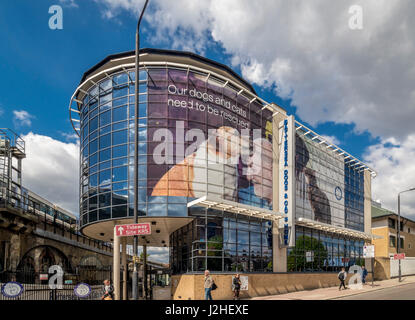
[406, 292]
[334, 293]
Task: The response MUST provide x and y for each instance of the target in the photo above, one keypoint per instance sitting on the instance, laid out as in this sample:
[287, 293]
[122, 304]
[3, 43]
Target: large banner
[319, 182]
[205, 137]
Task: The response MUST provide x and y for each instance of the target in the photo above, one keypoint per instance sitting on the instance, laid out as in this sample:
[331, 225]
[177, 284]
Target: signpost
[399, 256]
[136, 229]
[369, 252]
[126, 230]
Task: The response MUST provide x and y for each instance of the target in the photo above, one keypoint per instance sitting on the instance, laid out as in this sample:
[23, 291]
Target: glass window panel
[119, 197]
[105, 213]
[119, 211]
[120, 92]
[119, 186]
[93, 146]
[119, 174]
[105, 118]
[104, 130]
[120, 78]
[120, 162]
[119, 151]
[119, 102]
[157, 209]
[105, 141]
[105, 98]
[105, 165]
[119, 137]
[104, 177]
[142, 110]
[105, 85]
[93, 124]
[119, 114]
[119, 126]
[105, 155]
[93, 160]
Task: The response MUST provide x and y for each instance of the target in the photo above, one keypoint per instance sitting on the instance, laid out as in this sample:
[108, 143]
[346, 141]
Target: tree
[297, 256]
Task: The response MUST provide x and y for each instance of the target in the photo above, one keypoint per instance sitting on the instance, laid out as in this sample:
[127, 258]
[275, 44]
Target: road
[404, 292]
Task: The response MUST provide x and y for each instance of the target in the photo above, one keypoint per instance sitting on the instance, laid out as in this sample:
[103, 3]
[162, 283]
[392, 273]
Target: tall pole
[399, 233]
[137, 79]
[399, 229]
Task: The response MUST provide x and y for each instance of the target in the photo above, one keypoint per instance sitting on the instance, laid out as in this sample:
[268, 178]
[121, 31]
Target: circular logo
[338, 193]
[82, 290]
[12, 289]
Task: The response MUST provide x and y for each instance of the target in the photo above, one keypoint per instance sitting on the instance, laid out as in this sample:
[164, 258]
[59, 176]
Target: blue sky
[41, 67]
[299, 54]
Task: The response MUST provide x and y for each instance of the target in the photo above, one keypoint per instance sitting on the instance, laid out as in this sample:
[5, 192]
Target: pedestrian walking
[236, 284]
[342, 277]
[209, 284]
[108, 291]
[364, 274]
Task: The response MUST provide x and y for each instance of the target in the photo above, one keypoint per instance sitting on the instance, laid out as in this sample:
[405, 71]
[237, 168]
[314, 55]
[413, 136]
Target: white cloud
[70, 137]
[22, 118]
[306, 51]
[394, 162]
[332, 139]
[51, 170]
[69, 3]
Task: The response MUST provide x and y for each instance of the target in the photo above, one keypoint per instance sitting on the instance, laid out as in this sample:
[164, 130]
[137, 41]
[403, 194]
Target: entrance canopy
[217, 203]
[334, 229]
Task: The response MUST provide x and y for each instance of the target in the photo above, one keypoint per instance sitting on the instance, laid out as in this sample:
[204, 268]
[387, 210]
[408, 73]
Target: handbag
[214, 286]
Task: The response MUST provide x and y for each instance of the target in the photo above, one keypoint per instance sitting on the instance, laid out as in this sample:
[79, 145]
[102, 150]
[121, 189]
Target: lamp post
[399, 227]
[137, 79]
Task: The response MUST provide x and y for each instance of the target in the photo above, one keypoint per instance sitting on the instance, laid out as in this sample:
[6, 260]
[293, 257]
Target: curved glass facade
[107, 149]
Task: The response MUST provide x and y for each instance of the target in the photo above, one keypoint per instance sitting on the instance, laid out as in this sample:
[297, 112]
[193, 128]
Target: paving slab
[333, 292]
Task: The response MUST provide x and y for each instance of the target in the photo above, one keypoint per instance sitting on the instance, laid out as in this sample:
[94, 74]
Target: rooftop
[378, 212]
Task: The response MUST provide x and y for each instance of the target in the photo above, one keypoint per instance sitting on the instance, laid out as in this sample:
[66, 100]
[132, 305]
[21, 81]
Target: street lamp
[137, 79]
[399, 227]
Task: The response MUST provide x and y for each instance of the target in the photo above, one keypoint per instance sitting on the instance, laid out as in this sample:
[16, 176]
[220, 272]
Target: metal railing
[47, 218]
[13, 139]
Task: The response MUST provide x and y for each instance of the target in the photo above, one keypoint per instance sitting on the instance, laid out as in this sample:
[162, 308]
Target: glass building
[212, 179]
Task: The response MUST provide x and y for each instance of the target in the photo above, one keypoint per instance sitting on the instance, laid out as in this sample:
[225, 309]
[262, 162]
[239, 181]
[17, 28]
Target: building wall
[21, 245]
[382, 246]
[190, 287]
[279, 262]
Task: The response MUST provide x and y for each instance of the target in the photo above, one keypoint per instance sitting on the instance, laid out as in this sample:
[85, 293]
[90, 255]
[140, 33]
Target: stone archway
[40, 258]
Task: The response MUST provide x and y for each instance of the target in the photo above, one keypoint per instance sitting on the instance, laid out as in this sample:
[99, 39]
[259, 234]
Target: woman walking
[236, 283]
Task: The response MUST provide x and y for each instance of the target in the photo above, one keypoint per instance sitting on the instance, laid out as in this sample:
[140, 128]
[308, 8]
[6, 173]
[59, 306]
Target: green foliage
[298, 254]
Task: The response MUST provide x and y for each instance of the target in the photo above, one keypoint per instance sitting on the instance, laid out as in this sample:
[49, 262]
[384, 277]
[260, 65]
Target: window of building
[221, 241]
[402, 244]
[392, 241]
[391, 223]
[318, 251]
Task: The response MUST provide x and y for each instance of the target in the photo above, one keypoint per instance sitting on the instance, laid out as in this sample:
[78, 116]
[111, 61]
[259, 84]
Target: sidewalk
[333, 293]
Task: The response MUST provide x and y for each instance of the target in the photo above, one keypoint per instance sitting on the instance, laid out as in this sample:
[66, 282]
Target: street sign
[139, 229]
[368, 251]
[399, 256]
[309, 255]
[43, 276]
